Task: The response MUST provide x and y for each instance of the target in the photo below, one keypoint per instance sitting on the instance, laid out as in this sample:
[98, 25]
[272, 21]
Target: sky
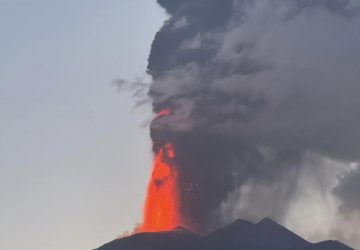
[75, 152]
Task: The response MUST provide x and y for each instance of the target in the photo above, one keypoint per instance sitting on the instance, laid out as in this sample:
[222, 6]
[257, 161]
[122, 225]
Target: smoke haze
[265, 118]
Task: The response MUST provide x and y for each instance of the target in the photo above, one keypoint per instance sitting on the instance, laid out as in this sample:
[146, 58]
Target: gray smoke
[265, 110]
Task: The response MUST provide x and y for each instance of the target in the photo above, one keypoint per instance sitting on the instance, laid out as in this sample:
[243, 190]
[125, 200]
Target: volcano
[240, 235]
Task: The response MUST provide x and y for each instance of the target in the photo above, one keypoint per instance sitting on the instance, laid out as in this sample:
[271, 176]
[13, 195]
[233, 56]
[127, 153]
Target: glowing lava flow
[161, 208]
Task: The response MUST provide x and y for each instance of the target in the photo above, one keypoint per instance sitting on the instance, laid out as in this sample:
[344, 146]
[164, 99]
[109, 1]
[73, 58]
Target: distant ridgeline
[240, 235]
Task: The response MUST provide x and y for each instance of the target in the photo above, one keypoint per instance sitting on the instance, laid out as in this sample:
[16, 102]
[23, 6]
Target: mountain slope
[264, 235]
[239, 235]
[174, 240]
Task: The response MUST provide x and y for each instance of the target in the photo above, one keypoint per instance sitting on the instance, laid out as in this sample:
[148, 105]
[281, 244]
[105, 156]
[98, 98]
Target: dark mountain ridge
[239, 235]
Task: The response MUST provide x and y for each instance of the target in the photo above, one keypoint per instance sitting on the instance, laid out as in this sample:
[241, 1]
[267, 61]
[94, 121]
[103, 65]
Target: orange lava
[161, 208]
[163, 112]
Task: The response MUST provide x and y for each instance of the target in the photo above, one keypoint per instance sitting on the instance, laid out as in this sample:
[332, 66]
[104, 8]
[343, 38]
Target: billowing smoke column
[264, 105]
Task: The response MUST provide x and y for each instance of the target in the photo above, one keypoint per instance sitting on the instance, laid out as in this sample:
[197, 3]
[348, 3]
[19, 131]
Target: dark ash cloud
[254, 88]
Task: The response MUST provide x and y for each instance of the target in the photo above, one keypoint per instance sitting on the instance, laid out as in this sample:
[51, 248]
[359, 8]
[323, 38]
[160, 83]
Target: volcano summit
[240, 235]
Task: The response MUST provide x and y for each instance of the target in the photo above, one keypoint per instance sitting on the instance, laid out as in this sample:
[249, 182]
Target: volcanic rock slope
[240, 235]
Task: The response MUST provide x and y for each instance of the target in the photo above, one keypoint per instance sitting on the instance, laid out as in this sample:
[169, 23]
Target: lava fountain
[162, 205]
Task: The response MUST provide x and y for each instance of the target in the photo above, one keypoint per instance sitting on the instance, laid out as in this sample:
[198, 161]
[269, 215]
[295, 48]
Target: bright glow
[161, 208]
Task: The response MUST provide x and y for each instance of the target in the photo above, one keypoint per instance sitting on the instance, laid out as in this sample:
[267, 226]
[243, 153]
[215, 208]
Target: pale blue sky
[74, 158]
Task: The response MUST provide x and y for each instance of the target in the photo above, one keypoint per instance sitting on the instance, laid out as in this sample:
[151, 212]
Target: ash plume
[264, 100]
